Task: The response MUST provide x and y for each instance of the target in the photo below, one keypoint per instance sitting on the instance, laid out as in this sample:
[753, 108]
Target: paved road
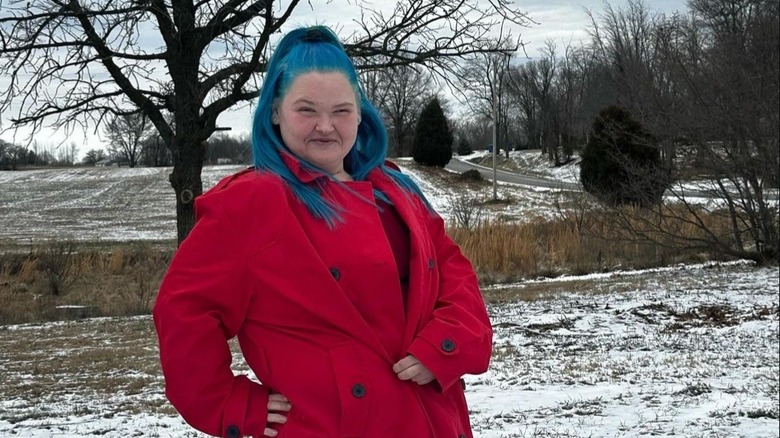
[458, 165]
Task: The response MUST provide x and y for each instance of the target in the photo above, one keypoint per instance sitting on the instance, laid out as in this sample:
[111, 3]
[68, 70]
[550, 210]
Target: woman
[353, 308]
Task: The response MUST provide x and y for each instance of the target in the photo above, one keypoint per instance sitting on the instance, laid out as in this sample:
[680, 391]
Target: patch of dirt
[704, 315]
[562, 323]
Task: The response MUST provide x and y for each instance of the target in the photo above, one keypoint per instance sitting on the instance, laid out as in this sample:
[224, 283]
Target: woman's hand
[276, 403]
[409, 368]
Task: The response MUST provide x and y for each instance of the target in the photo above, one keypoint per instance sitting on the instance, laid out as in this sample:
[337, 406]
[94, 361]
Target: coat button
[335, 273]
[462, 435]
[232, 432]
[431, 264]
[358, 390]
[448, 345]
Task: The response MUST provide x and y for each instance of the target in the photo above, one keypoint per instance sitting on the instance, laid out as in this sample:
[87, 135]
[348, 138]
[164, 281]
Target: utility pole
[501, 63]
[495, 130]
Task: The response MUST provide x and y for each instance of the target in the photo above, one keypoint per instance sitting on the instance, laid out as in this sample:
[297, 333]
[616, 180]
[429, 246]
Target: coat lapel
[419, 300]
[333, 303]
[330, 253]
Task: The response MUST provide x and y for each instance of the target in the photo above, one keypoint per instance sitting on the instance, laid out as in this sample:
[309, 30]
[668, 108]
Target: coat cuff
[246, 409]
[440, 357]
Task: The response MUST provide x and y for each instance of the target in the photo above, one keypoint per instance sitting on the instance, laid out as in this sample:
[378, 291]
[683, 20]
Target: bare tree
[154, 153]
[548, 94]
[545, 95]
[483, 81]
[475, 130]
[569, 95]
[93, 156]
[521, 88]
[400, 93]
[90, 60]
[126, 133]
[11, 156]
[66, 154]
[630, 42]
[716, 83]
[736, 119]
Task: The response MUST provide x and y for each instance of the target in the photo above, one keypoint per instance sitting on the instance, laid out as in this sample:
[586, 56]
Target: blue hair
[318, 49]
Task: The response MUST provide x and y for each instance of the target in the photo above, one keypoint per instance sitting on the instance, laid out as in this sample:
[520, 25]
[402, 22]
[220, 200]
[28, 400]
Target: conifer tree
[433, 139]
[621, 163]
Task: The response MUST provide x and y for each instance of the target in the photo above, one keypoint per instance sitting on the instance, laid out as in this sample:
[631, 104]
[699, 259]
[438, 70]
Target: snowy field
[688, 351]
[84, 203]
[123, 204]
[685, 351]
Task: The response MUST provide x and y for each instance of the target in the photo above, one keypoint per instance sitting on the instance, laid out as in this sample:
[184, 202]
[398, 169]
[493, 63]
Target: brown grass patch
[116, 281]
[594, 241]
[122, 279]
[107, 358]
[113, 361]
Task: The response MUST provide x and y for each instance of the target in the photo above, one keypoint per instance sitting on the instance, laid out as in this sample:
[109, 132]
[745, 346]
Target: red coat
[319, 315]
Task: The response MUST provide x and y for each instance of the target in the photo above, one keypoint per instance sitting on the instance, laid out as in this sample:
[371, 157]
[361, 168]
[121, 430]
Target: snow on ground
[685, 351]
[688, 351]
[81, 204]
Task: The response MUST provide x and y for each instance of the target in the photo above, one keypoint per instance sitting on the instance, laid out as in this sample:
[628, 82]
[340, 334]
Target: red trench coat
[318, 314]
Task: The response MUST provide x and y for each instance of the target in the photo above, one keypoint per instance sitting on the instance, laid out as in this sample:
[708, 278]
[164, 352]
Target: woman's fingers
[277, 397]
[410, 373]
[423, 378]
[277, 418]
[417, 374]
[276, 403]
[277, 406]
[405, 363]
[409, 368]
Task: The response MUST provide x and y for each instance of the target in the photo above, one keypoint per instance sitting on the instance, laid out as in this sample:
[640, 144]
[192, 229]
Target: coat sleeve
[458, 339]
[201, 304]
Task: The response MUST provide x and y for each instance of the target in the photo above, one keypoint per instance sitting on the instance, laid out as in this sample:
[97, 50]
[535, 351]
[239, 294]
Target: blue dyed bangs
[315, 57]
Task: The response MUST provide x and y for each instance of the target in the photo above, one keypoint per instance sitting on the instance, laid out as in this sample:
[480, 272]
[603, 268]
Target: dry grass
[122, 280]
[116, 281]
[114, 359]
[586, 241]
[508, 252]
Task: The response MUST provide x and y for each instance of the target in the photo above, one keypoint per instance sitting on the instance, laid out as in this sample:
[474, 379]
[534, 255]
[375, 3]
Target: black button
[335, 273]
[232, 432]
[358, 390]
[463, 435]
[431, 264]
[448, 345]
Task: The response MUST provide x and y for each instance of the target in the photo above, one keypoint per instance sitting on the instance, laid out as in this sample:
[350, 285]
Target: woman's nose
[324, 124]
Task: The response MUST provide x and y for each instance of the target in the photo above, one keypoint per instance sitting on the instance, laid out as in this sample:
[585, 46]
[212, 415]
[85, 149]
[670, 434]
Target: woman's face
[318, 119]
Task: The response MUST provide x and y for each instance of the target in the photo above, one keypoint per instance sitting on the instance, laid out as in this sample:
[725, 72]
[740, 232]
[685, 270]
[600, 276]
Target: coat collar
[304, 174]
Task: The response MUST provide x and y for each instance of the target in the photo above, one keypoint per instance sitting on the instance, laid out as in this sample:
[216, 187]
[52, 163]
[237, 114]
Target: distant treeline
[151, 152]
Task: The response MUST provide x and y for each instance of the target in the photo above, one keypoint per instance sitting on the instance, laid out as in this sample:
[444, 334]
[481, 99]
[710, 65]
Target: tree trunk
[186, 182]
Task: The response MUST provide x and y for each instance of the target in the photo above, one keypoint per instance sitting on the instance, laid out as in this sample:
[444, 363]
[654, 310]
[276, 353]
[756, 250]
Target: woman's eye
[305, 110]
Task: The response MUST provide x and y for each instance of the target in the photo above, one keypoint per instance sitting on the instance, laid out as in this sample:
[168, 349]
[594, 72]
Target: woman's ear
[275, 117]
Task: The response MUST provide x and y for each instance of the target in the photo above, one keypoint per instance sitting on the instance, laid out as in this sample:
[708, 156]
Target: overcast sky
[561, 21]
